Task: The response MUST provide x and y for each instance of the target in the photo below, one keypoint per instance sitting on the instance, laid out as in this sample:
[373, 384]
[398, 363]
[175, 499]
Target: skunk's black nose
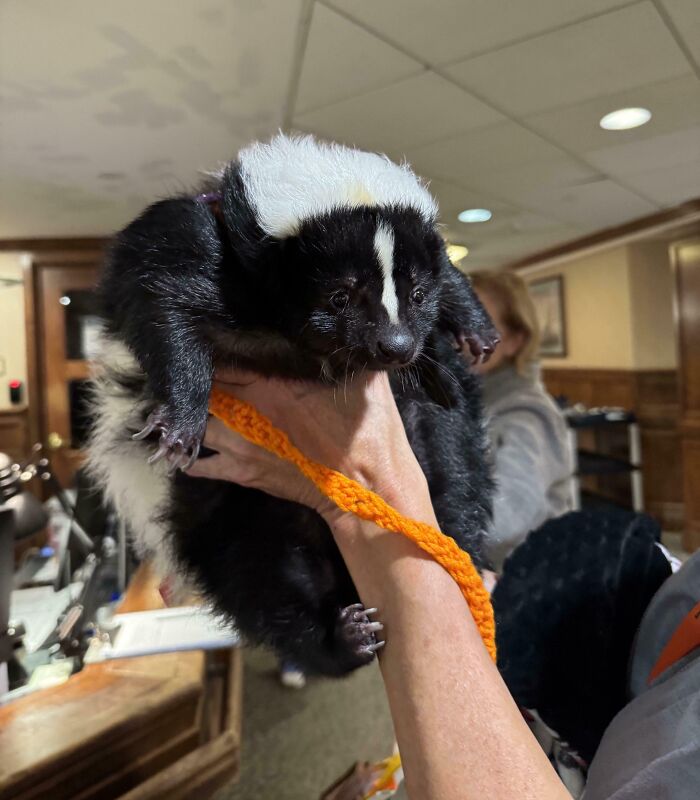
[396, 347]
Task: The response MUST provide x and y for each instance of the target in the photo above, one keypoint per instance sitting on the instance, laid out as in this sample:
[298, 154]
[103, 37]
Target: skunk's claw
[193, 457]
[177, 459]
[178, 445]
[357, 634]
[160, 453]
[146, 431]
[481, 346]
[157, 420]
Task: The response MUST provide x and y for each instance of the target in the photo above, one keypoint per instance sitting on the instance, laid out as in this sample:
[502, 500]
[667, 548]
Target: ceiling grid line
[673, 30]
[355, 95]
[305, 17]
[562, 148]
[382, 38]
[544, 32]
[512, 118]
[440, 71]
[494, 195]
[94, 132]
[501, 46]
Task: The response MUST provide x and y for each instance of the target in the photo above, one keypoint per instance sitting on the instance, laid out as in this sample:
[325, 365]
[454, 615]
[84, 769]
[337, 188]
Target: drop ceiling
[104, 108]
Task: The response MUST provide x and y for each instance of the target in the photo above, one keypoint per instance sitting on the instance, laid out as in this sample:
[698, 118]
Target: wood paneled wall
[14, 433]
[654, 398]
[685, 257]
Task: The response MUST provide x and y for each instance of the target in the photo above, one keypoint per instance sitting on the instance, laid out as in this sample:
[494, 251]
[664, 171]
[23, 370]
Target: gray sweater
[531, 457]
[651, 750]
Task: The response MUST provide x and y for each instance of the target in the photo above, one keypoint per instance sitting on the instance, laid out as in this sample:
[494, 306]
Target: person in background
[530, 446]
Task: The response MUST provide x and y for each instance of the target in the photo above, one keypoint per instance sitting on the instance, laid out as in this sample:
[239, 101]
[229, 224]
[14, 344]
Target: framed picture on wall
[548, 297]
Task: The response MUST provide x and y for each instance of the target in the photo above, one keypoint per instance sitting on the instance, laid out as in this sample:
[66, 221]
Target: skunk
[302, 260]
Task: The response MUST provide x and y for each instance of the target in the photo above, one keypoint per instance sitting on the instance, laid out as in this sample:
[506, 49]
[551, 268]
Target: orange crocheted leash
[351, 496]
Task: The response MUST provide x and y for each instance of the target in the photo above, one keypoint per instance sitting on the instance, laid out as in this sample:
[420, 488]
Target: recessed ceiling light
[625, 118]
[456, 252]
[475, 215]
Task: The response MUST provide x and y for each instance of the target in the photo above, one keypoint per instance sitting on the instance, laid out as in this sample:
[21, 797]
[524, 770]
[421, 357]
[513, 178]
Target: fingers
[212, 467]
[218, 436]
[231, 450]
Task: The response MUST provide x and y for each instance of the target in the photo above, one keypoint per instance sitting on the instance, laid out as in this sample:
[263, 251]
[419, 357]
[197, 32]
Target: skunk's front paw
[481, 345]
[356, 634]
[179, 443]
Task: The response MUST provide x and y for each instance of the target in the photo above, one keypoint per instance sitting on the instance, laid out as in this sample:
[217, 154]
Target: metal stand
[591, 463]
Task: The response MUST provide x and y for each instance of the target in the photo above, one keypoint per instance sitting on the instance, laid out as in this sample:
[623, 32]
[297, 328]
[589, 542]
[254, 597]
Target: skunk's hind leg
[358, 637]
[334, 648]
[273, 568]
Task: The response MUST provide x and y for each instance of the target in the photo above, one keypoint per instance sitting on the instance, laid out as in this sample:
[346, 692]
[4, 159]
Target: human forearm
[459, 732]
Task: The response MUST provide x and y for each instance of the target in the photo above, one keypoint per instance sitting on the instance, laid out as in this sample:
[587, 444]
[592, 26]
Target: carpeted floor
[295, 743]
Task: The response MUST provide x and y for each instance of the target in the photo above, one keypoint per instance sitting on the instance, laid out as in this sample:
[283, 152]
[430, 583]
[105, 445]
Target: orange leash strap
[351, 496]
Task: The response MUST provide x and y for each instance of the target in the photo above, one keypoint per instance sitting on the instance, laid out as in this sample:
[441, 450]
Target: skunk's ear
[463, 316]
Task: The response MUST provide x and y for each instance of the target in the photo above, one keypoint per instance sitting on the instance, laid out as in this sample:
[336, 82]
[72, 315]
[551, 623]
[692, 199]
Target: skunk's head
[362, 286]
[344, 247]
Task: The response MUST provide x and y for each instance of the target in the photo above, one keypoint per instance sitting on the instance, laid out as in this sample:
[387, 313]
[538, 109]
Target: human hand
[240, 461]
[357, 431]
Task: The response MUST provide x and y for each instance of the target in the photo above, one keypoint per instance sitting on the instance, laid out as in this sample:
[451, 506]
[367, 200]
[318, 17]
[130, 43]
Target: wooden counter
[139, 728]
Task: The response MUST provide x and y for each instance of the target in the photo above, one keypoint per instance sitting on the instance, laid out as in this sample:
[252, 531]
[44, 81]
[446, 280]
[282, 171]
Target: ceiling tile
[685, 15]
[626, 48]
[666, 150]
[501, 249]
[504, 236]
[110, 93]
[453, 198]
[668, 186]
[517, 183]
[342, 59]
[442, 31]
[599, 204]
[673, 103]
[113, 111]
[494, 232]
[406, 114]
[473, 157]
[511, 232]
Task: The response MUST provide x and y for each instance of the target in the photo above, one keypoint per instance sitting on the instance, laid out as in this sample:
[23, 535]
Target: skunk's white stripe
[294, 178]
[384, 248]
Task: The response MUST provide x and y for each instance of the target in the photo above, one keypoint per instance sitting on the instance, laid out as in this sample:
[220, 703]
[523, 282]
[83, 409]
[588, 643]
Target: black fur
[192, 284]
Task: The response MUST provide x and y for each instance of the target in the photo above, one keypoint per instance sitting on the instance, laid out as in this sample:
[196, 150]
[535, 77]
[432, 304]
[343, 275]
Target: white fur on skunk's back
[138, 491]
[294, 178]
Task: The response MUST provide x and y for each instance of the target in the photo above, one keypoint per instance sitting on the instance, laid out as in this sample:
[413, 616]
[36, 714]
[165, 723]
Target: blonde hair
[517, 310]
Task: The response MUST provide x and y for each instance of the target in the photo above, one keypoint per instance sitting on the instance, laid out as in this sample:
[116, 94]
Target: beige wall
[597, 302]
[653, 326]
[619, 308]
[13, 362]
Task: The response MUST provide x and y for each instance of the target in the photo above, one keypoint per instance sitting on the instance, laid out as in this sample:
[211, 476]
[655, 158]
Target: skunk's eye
[340, 300]
[417, 296]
